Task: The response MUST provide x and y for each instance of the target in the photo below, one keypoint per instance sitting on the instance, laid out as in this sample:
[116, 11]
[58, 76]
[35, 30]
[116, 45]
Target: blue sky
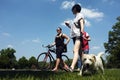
[26, 25]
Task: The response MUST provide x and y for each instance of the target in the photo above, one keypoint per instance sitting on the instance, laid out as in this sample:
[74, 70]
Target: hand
[50, 45]
[82, 32]
[67, 24]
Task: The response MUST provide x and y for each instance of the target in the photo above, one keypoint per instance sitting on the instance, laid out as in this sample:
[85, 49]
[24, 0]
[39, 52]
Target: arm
[53, 44]
[67, 39]
[86, 38]
[89, 38]
[81, 21]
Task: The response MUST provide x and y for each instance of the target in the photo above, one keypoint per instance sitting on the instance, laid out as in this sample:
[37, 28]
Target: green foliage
[23, 63]
[32, 62]
[7, 58]
[113, 46]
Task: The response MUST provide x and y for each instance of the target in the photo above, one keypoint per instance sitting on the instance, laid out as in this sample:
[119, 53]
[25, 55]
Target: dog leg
[81, 71]
[102, 69]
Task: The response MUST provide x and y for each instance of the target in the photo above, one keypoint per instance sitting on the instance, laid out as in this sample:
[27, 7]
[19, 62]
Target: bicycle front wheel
[44, 61]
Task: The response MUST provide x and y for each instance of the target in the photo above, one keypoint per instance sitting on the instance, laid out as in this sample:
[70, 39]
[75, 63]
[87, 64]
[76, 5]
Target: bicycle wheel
[44, 61]
[66, 59]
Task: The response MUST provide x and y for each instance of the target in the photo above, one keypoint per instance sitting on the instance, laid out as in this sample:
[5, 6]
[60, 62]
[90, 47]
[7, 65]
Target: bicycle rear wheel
[44, 61]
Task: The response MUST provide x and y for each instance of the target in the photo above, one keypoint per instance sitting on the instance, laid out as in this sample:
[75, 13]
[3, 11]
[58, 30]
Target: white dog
[90, 63]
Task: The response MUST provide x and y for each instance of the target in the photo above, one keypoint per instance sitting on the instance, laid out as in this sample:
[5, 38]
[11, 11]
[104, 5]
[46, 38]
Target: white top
[74, 30]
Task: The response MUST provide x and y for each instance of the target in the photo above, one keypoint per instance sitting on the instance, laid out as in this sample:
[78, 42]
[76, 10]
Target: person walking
[77, 29]
[60, 44]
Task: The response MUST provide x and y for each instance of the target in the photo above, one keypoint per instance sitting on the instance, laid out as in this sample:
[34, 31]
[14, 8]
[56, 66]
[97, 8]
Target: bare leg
[65, 66]
[57, 64]
[76, 53]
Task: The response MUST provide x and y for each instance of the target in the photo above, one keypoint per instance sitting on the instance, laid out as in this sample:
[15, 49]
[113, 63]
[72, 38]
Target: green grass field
[110, 74]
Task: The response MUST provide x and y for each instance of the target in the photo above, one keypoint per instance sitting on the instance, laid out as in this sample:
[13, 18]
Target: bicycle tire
[66, 59]
[44, 63]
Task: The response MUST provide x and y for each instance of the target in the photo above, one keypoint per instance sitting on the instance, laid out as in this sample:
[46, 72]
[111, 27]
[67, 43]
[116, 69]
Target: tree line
[8, 60]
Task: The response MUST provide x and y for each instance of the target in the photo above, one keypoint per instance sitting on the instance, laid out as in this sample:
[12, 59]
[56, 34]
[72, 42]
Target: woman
[59, 42]
[77, 29]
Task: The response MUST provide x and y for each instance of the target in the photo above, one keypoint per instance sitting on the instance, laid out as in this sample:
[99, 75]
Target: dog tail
[100, 54]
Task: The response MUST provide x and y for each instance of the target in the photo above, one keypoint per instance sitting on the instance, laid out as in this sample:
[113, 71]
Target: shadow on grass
[28, 73]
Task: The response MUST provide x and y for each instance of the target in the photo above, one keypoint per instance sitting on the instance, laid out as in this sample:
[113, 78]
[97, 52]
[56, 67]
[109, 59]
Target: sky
[26, 25]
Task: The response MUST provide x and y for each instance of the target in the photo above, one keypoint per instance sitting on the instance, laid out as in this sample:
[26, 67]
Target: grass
[110, 74]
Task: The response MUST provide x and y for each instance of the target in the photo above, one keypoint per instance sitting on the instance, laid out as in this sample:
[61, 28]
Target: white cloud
[10, 46]
[36, 40]
[87, 23]
[62, 24]
[67, 4]
[92, 13]
[110, 2]
[6, 34]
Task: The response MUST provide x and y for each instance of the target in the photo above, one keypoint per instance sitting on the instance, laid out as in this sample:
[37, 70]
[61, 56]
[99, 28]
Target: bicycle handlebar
[50, 48]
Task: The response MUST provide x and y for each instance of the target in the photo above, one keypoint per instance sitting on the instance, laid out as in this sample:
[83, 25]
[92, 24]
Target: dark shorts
[59, 51]
[77, 38]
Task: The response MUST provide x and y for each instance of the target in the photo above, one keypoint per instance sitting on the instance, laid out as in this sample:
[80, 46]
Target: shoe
[70, 69]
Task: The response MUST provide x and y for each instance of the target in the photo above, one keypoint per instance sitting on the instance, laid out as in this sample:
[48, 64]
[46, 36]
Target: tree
[7, 58]
[23, 63]
[32, 62]
[112, 47]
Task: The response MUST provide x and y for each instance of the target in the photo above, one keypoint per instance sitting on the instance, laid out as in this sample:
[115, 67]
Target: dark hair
[77, 7]
[59, 28]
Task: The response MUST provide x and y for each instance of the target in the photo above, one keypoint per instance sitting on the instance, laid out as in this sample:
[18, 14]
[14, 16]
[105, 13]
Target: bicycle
[46, 61]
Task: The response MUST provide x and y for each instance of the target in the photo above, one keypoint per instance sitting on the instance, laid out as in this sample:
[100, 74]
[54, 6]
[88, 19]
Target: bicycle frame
[49, 53]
